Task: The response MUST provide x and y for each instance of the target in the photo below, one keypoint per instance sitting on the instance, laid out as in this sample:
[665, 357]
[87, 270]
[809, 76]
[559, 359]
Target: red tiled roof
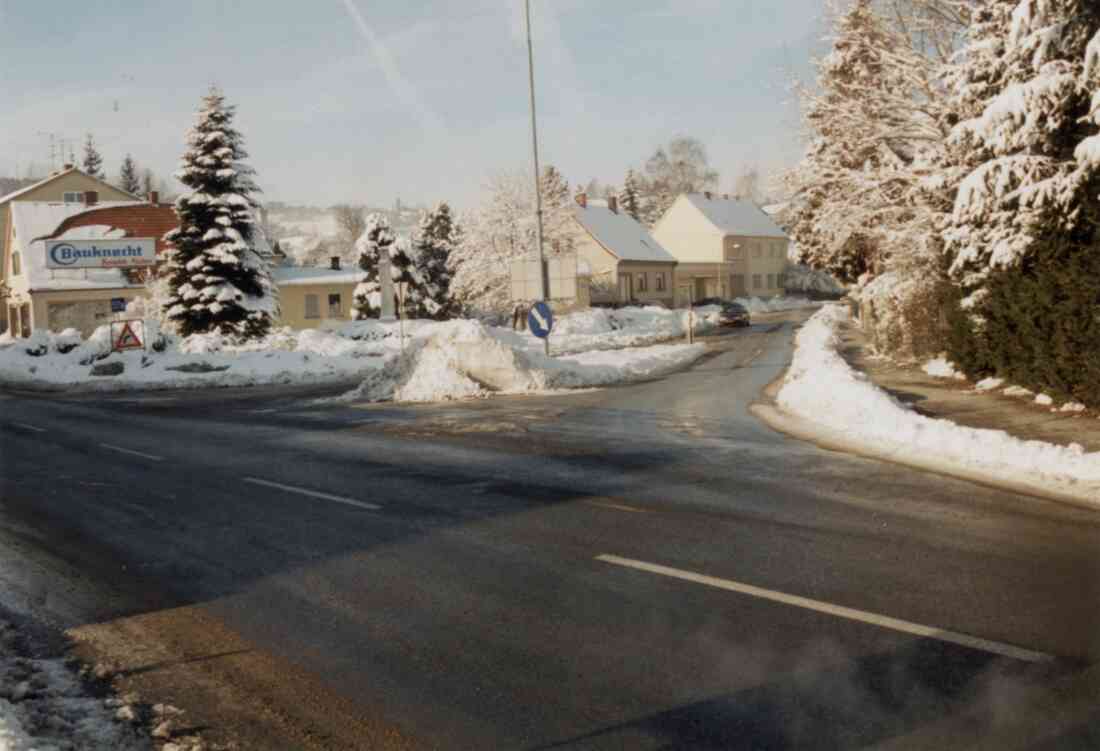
[144, 220]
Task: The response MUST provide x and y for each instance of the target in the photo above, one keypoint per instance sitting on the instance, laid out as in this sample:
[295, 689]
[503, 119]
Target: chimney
[613, 204]
[708, 195]
[67, 166]
[335, 263]
[154, 197]
[582, 200]
[725, 196]
[91, 197]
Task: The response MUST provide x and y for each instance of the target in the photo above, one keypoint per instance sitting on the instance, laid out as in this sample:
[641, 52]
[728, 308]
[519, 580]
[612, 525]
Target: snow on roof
[625, 238]
[734, 216]
[298, 276]
[32, 220]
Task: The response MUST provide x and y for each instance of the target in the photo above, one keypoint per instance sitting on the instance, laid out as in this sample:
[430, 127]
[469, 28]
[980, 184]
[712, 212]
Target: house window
[16, 264]
[757, 251]
[334, 310]
[660, 281]
[734, 251]
[771, 281]
[782, 280]
[643, 282]
[757, 281]
[738, 283]
[77, 197]
[313, 307]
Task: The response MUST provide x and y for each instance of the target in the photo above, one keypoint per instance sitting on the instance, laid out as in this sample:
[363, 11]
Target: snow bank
[465, 359]
[821, 387]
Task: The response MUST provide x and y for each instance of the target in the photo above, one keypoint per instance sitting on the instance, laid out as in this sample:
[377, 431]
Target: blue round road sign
[540, 320]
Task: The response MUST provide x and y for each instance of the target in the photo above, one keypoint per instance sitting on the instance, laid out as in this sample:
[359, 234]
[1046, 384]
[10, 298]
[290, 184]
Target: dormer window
[74, 197]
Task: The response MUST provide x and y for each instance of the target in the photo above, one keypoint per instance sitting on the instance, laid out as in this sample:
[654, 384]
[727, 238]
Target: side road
[838, 396]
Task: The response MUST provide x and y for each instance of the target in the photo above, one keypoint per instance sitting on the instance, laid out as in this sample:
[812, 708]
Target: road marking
[131, 452]
[312, 493]
[31, 428]
[915, 629]
[617, 507]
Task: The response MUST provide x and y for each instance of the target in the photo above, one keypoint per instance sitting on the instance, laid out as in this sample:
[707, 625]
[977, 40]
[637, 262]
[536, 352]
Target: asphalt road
[646, 567]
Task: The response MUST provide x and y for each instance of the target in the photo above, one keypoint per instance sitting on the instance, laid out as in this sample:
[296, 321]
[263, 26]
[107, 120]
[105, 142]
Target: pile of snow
[465, 359]
[822, 388]
[989, 384]
[941, 367]
[65, 361]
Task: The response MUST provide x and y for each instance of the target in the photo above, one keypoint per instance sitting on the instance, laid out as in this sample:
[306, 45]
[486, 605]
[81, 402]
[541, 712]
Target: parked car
[733, 313]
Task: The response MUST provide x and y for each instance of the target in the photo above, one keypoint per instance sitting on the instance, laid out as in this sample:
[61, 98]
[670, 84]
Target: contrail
[404, 90]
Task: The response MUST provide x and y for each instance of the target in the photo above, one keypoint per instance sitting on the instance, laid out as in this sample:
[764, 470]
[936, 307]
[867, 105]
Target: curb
[828, 438]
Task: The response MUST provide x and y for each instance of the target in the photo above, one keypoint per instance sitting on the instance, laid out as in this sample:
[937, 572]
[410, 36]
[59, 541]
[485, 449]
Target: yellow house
[69, 187]
[622, 260]
[727, 247]
[313, 297]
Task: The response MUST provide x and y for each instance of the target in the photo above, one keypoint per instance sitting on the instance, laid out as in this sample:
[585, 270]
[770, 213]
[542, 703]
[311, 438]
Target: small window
[771, 281]
[77, 197]
[661, 281]
[757, 251]
[734, 251]
[313, 307]
[757, 281]
[334, 310]
[16, 264]
[782, 280]
[643, 282]
[738, 283]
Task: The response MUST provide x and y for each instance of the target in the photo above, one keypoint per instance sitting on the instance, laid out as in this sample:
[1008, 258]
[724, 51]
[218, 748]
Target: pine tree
[629, 199]
[557, 212]
[128, 176]
[436, 238]
[93, 162]
[217, 280]
[1024, 156]
[378, 238]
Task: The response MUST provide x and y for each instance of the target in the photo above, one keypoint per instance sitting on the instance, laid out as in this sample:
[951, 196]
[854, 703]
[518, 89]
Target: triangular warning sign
[128, 339]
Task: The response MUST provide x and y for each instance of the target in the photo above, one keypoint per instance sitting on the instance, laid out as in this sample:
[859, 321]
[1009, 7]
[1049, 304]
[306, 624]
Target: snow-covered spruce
[379, 239]
[630, 200]
[822, 388]
[436, 238]
[217, 280]
[1023, 162]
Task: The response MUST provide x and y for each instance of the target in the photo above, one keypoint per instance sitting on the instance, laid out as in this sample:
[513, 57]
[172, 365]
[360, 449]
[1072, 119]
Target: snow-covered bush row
[464, 359]
[822, 388]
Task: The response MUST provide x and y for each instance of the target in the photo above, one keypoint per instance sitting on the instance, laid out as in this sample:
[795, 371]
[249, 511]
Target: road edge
[771, 414]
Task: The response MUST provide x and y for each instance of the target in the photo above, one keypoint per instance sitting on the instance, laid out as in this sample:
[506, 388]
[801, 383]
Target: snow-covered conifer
[128, 176]
[1023, 160]
[93, 161]
[557, 212]
[629, 198]
[377, 239]
[436, 238]
[217, 280]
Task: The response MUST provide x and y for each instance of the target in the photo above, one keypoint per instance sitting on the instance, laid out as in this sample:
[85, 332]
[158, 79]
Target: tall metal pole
[535, 153]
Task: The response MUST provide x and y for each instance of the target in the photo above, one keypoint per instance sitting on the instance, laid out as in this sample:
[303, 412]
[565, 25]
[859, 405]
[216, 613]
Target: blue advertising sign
[540, 320]
[118, 304]
[101, 254]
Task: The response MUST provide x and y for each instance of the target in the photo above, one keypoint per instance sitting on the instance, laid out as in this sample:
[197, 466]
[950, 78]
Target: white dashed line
[31, 428]
[882, 621]
[131, 452]
[313, 493]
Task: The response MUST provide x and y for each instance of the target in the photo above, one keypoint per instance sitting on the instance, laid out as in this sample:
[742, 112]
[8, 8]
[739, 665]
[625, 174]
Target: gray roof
[735, 216]
[625, 238]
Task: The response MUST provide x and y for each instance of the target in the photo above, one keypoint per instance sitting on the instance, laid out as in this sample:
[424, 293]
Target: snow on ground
[352, 351]
[464, 359]
[821, 387]
[45, 707]
[941, 367]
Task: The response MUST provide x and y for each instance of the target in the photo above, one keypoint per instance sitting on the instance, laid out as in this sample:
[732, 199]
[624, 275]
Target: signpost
[127, 253]
[127, 335]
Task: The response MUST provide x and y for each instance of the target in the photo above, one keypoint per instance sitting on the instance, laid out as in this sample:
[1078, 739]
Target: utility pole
[535, 153]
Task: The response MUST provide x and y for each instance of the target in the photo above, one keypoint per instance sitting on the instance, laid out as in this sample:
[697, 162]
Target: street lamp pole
[535, 153]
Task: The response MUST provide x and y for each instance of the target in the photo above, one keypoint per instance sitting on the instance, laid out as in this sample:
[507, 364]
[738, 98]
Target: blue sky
[367, 100]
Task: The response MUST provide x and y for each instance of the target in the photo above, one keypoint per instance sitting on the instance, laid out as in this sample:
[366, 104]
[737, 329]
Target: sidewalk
[958, 401]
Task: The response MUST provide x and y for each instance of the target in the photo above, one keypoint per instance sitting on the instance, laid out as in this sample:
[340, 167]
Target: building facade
[726, 247]
[310, 298]
[624, 263]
